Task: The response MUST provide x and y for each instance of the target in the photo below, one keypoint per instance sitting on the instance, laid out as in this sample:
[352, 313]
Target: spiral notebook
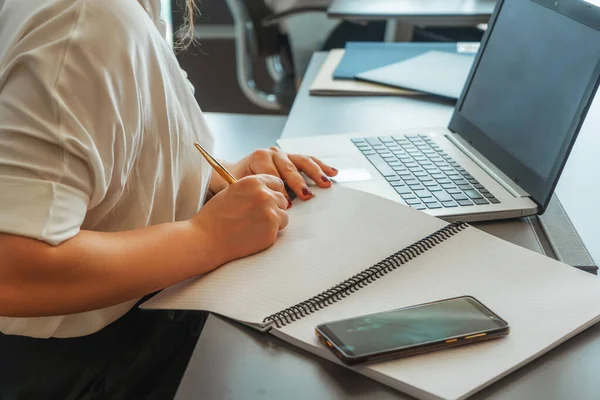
[348, 253]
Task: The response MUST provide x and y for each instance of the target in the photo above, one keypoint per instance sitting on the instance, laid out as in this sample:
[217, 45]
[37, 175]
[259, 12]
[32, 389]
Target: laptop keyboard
[422, 173]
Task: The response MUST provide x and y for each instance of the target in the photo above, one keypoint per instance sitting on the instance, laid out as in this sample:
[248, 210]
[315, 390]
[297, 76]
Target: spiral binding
[364, 278]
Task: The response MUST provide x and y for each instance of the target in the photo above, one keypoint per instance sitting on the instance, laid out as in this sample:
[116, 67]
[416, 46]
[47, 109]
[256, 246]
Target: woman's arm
[94, 270]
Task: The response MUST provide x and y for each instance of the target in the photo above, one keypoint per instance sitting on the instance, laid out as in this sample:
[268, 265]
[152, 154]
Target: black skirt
[142, 355]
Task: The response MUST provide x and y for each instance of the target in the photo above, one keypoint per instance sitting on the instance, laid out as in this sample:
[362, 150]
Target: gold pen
[217, 166]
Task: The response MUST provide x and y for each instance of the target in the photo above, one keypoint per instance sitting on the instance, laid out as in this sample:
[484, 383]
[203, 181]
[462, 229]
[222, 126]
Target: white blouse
[97, 124]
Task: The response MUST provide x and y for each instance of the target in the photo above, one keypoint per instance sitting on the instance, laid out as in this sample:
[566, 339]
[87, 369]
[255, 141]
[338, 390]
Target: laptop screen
[533, 80]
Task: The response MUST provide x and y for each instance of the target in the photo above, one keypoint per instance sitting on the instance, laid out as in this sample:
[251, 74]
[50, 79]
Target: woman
[103, 200]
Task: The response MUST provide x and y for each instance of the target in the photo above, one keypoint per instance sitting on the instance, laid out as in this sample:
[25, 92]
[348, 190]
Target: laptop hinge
[487, 166]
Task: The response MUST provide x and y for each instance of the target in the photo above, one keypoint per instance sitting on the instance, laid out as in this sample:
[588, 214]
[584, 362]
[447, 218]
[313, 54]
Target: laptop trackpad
[348, 169]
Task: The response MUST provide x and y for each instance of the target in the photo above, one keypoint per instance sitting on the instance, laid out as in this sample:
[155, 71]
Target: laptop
[519, 113]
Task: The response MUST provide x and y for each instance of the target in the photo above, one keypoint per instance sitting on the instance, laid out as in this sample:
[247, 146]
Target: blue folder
[364, 56]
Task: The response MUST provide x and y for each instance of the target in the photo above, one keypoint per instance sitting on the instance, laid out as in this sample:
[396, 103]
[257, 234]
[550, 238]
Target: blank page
[329, 238]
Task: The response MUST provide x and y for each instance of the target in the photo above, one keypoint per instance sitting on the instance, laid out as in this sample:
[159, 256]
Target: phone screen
[392, 330]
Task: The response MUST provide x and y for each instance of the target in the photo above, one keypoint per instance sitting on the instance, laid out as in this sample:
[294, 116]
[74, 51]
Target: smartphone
[412, 330]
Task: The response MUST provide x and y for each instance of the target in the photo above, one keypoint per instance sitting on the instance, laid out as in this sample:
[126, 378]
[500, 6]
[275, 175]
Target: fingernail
[334, 169]
[306, 192]
[289, 202]
[325, 179]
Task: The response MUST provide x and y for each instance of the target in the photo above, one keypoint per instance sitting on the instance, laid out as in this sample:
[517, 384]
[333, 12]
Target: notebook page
[329, 238]
[543, 301]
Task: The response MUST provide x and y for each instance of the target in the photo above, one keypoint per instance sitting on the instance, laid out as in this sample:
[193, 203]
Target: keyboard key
[392, 178]
[430, 184]
[494, 200]
[403, 190]
[416, 186]
[460, 181]
[373, 141]
[449, 204]
[447, 169]
[381, 165]
[397, 184]
[442, 196]
[465, 187]
[435, 189]
[459, 196]
[405, 174]
[473, 181]
[425, 178]
[432, 169]
[357, 140]
[399, 168]
[389, 158]
[386, 139]
[433, 206]
[394, 163]
[488, 195]
[443, 181]
[412, 137]
[413, 202]
[457, 178]
[465, 203]
[419, 174]
[480, 201]
[453, 191]
[474, 194]
[368, 152]
[411, 180]
[409, 196]
[448, 186]
[428, 200]
[437, 175]
[423, 193]
[479, 186]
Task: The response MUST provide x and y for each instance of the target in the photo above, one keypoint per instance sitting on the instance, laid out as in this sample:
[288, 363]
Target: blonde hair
[186, 32]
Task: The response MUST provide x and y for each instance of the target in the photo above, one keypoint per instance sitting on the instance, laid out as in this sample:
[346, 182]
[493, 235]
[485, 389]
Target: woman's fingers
[292, 176]
[283, 219]
[264, 164]
[329, 171]
[277, 186]
[311, 169]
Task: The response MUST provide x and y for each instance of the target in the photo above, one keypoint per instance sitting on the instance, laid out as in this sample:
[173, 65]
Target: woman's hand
[243, 219]
[277, 163]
